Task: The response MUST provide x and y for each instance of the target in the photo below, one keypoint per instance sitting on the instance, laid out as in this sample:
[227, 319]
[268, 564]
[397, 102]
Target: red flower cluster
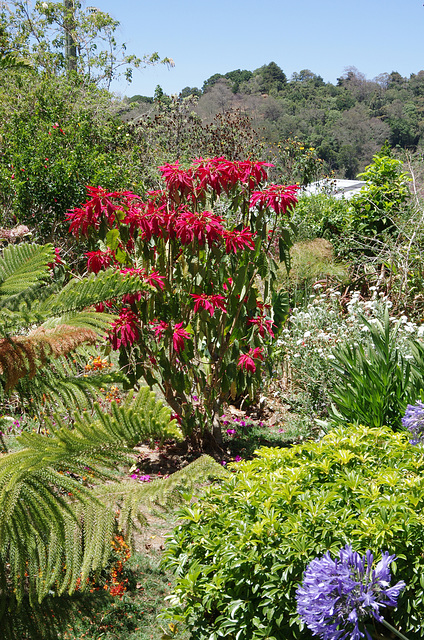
[277, 196]
[125, 330]
[98, 260]
[210, 303]
[247, 360]
[102, 206]
[178, 337]
[218, 174]
[235, 240]
[159, 328]
[198, 226]
[263, 325]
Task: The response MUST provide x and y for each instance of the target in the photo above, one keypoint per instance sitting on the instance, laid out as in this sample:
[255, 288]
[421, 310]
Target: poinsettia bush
[202, 246]
[240, 553]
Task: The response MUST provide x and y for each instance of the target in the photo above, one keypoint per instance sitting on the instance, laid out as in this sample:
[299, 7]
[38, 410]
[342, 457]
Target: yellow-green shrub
[240, 553]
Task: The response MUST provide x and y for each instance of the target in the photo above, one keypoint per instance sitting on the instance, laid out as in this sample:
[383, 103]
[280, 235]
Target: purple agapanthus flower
[413, 420]
[337, 595]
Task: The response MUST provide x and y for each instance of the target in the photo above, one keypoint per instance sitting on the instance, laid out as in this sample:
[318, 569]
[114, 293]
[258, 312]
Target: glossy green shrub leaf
[251, 537]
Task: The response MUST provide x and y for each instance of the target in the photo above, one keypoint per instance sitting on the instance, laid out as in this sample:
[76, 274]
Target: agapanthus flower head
[413, 420]
[339, 595]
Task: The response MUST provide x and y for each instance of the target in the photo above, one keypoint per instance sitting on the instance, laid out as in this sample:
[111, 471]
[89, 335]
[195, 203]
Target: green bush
[55, 138]
[240, 553]
[375, 380]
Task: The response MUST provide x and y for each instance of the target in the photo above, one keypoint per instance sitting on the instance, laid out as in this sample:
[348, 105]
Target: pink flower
[210, 303]
[179, 336]
[125, 330]
[235, 240]
[277, 197]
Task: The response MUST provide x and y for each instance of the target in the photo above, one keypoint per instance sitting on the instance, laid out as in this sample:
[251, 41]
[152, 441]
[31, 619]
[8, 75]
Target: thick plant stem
[398, 633]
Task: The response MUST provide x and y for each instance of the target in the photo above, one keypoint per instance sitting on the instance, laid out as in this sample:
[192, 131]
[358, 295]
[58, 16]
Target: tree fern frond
[165, 493]
[79, 294]
[42, 507]
[22, 266]
[24, 355]
[94, 320]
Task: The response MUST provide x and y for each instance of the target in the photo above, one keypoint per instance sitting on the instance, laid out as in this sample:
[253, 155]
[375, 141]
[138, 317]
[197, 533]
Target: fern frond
[79, 294]
[53, 528]
[165, 493]
[22, 266]
[24, 355]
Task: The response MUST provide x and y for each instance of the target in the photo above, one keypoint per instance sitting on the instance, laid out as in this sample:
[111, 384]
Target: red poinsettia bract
[102, 205]
[177, 179]
[98, 260]
[235, 240]
[210, 303]
[201, 226]
[124, 330]
[159, 328]
[153, 278]
[179, 336]
[263, 325]
[277, 197]
[247, 360]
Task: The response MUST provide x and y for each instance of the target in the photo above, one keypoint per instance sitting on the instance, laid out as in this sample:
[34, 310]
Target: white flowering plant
[310, 345]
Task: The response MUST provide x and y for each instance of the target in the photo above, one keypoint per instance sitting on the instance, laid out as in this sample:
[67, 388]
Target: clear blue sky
[215, 36]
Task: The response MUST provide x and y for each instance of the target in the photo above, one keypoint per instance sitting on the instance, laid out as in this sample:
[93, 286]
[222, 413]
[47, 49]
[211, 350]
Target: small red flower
[246, 362]
[210, 303]
[235, 240]
[125, 330]
[179, 336]
[276, 196]
[159, 328]
[263, 325]
[98, 260]
[57, 259]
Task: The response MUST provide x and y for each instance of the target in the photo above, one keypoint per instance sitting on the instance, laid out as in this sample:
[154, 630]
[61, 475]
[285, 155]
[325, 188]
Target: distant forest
[345, 124]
